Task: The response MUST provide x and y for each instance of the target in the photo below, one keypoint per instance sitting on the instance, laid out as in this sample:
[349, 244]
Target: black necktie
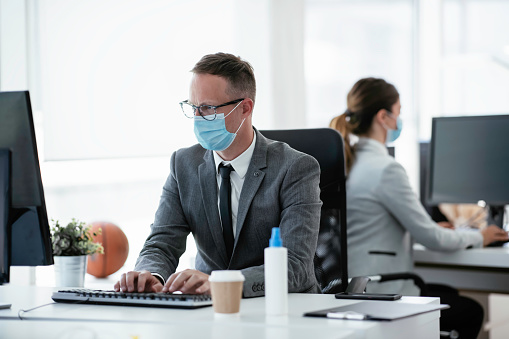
[225, 209]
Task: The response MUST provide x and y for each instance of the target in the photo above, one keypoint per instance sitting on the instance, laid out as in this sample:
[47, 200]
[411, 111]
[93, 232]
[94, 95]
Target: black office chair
[327, 147]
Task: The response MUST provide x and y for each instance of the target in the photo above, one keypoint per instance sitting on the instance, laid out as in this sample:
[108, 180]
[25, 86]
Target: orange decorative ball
[116, 249]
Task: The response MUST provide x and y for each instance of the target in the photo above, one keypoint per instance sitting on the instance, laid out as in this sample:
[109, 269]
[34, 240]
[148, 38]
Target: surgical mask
[212, 134]
[393, 134]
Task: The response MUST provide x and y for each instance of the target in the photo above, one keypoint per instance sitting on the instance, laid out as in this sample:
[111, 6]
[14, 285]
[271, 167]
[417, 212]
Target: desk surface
[149, 322]
[488, 257]
[103, 330]
[477, 269]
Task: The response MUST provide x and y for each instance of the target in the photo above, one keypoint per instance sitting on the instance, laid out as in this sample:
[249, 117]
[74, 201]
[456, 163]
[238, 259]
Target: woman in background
[384, 215]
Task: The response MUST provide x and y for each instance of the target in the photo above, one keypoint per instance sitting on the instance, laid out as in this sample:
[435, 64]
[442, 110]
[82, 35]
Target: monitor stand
[496, 217]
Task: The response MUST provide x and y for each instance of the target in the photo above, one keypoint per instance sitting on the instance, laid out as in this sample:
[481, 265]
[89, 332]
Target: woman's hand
[493, 233]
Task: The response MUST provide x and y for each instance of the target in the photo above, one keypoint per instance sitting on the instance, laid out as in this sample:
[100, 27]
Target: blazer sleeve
[167, 239]
[396, 194]
[299, 226]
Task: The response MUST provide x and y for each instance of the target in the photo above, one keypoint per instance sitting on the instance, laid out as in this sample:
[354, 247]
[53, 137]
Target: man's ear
[247, 107]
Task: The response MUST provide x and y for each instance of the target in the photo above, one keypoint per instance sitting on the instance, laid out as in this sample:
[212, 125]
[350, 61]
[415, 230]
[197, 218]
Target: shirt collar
[369, 144]
[240, 163]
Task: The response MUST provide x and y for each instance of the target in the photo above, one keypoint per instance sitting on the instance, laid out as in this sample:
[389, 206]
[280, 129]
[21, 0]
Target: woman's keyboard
[169, 300]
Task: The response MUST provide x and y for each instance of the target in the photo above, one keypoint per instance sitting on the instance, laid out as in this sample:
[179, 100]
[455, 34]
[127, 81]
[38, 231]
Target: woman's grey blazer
[384, 215]
[281, 188]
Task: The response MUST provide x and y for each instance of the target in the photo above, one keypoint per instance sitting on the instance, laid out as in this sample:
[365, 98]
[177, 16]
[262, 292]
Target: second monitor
[469, 162]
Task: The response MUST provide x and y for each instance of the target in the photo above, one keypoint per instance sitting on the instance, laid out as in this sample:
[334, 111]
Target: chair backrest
[327, 147]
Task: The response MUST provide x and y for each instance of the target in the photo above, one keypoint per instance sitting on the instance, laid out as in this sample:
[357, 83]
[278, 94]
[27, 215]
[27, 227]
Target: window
[475, 64]
[349, 40]
[112, 73]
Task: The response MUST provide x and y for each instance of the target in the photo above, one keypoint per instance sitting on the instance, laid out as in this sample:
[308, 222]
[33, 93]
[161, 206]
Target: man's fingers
[171, 279]
[157, 287]
[131, 279]
[142, 279]
[123, 285]
[179, 281]
[188, 281]
[192, 283]
[204, 288]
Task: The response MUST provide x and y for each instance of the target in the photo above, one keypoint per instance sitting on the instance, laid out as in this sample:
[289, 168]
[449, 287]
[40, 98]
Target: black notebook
[376, 310]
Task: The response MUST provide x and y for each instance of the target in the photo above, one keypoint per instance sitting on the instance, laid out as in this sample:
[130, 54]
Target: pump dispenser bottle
[276, 276]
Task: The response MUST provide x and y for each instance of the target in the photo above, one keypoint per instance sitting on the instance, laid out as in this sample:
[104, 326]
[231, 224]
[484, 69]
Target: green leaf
[74, 239]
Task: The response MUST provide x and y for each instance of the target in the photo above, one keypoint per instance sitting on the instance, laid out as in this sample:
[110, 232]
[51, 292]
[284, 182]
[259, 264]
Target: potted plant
[71, 245]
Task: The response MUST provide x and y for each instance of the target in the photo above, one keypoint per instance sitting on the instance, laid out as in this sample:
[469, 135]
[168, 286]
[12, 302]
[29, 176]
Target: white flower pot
[70, 270]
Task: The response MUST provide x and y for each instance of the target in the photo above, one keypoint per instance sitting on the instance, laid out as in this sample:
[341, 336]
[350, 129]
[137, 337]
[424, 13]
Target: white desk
[499, 316]
[126, 322]
[479, 269]
[105, 330]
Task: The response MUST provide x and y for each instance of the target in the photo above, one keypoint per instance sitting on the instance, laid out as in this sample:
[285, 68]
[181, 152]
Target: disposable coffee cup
[226, 288]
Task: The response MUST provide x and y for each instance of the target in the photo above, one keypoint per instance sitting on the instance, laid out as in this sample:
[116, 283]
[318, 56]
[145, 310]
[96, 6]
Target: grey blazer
[384, 215]
[281, 188]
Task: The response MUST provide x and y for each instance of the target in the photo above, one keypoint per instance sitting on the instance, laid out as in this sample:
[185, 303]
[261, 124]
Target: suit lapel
[208, 186]
[252, 182]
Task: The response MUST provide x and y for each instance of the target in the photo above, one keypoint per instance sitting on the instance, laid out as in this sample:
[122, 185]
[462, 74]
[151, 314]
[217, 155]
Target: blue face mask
[212, 134]
[393, 134]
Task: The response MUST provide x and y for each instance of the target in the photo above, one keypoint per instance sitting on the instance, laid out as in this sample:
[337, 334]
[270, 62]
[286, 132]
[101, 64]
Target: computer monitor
[28, 220]
[469, 162]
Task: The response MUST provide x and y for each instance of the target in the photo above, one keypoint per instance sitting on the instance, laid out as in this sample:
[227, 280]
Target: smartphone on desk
[367, 296]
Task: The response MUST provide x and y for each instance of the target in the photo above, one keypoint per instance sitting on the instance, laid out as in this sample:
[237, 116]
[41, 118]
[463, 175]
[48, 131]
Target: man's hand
[188, 282]
[493, 233]
[134, 281]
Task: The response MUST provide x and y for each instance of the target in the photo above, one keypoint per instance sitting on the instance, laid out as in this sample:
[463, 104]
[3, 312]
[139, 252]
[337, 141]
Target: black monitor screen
[469, 160]
[30, 235]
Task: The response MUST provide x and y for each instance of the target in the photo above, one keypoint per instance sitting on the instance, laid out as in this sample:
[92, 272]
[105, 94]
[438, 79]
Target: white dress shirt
[240, 165]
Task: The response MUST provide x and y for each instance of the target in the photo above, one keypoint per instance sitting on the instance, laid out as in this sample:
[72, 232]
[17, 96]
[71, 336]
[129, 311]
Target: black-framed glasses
[207, 112]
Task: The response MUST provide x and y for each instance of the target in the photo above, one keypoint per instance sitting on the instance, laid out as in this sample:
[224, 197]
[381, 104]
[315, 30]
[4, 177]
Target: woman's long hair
[365, 99]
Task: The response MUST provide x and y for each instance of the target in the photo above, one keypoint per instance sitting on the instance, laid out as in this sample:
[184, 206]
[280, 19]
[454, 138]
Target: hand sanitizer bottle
[276, 276]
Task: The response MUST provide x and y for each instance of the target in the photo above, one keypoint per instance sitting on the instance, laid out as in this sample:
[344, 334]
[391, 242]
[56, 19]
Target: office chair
[327, 147]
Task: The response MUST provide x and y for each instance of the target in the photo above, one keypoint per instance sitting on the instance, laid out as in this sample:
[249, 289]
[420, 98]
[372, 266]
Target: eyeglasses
[207, 112]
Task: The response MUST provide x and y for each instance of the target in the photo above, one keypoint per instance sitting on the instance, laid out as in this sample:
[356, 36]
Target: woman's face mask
[393, 134]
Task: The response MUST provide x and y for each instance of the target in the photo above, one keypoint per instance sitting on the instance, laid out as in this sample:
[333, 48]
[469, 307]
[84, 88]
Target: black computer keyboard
[169, 300]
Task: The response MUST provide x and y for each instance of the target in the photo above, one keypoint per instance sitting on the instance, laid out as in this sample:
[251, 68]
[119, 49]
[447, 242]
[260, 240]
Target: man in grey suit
[272, 185]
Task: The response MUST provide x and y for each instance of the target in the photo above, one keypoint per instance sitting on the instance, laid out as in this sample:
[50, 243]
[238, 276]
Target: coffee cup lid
[226, 275]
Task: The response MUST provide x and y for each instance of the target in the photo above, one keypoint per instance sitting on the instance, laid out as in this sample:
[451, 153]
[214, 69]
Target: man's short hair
[237, 72]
